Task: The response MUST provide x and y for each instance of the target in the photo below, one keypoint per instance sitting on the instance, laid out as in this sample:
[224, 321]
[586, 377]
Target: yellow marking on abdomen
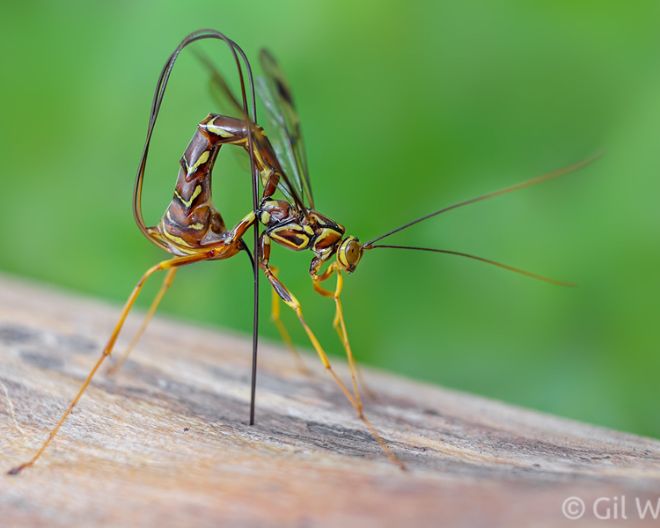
[203, 158]
[195, 194]
[177, 240]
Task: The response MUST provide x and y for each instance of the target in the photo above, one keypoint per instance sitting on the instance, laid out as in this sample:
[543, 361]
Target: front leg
[339, 322]
[166, 265]
[319, 277]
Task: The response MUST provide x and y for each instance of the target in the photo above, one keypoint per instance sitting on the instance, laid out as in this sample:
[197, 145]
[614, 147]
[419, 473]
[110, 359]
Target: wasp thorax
[349, 253]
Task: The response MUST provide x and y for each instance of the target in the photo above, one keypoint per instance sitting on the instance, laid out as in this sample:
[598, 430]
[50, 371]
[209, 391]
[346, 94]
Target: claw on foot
[16, 470]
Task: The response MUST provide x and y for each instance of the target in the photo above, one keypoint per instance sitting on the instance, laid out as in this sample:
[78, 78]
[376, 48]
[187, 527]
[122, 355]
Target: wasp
[283, 212]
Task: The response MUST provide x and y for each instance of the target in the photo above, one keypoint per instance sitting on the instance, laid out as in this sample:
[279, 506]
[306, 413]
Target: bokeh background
[406, 107]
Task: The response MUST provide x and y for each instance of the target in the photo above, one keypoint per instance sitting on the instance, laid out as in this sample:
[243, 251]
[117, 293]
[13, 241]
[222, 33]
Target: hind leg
[167, 282]
[165, 265]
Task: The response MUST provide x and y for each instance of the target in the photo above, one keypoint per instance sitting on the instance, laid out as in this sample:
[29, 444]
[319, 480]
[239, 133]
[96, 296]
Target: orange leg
[291, 301]
[339, 325]
[165, 265]
[277, 321]
[167, 282]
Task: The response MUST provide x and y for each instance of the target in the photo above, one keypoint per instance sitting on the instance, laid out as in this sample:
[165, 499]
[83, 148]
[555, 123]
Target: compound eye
[349, 254]
[352, 253]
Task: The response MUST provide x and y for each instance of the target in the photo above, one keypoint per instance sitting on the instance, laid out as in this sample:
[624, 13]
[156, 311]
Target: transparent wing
[274, 91]
[228, 103]
[220, 90]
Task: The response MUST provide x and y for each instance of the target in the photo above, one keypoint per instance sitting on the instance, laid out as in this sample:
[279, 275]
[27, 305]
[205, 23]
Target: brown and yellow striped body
[191, 222]
[295, 229]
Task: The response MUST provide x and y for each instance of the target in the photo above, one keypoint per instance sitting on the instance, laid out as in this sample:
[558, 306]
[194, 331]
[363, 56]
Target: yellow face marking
[196, 226]
[218, 131]
[203, 158]
[308, 229]
[342, 258]
[195, 194]
[265, 217]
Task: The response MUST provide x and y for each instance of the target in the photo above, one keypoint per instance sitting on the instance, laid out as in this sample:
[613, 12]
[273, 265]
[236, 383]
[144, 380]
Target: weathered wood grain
[166, 443]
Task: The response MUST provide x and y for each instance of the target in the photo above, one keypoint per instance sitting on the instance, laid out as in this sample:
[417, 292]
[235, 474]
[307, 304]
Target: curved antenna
[534, 181]
[159, 93]
[480, 259]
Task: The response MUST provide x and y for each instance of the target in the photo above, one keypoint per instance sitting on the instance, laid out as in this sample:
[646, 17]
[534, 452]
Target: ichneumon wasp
[193, 230]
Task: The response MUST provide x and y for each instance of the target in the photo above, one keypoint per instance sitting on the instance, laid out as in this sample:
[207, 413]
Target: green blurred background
[406, 107]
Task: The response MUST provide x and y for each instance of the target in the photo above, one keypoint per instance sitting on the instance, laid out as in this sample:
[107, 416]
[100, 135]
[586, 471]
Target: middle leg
[107, 350]
[339, 324]
[167, 282]
[277, 321]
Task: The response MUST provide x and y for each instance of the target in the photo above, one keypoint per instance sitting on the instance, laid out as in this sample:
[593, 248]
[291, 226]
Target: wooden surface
[166, 442]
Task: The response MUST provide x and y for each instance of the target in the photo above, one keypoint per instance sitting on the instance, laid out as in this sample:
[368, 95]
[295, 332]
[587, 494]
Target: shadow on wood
[166, 441]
